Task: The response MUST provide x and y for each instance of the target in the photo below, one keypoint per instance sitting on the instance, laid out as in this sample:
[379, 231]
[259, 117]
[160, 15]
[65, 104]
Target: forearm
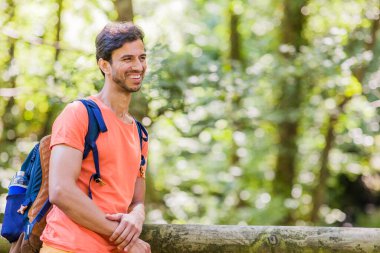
[82, 210]
[137, 207]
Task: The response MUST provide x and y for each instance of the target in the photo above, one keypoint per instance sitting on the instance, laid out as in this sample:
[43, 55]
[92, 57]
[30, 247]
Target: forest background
[259, 112]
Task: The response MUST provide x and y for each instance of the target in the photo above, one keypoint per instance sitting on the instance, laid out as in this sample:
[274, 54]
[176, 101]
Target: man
[112, 220]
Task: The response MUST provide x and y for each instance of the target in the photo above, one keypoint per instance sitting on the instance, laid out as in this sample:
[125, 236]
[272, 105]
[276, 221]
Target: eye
[143, 58]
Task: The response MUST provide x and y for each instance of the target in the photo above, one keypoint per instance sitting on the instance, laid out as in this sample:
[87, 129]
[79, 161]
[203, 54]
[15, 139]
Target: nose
[137, 66]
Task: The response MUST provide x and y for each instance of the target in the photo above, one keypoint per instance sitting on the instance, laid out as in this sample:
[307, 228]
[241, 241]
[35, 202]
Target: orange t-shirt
[119, 160]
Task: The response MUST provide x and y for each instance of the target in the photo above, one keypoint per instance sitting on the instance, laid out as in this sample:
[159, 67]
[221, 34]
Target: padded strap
[39, 216]
[27, 165]
[96, 125]
[143, 136]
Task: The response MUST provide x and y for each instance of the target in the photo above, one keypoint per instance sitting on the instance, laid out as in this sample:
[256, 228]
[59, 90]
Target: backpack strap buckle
[100, 181]
[22, 209]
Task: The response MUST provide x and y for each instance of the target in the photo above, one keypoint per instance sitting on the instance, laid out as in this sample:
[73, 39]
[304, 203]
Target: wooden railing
[265, 239]
[258, 239]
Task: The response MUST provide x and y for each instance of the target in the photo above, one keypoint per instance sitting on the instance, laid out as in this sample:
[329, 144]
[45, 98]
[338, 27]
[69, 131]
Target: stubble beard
[122, 83]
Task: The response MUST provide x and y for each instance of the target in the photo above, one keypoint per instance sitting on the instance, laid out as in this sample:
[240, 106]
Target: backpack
[24, 230]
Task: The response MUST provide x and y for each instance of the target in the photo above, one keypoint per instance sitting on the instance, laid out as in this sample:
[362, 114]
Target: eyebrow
[131, 55]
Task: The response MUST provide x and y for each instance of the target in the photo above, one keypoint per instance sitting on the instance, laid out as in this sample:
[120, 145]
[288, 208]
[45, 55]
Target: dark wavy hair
[113, 36]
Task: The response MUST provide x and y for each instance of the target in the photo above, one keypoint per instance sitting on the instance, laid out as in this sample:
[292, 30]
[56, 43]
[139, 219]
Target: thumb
[114, 217]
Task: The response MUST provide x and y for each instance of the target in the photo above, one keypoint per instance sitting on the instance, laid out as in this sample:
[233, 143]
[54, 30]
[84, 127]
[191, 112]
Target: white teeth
[135, 76]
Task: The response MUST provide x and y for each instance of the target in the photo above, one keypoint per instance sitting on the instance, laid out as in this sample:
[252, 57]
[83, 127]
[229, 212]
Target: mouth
[136, 78]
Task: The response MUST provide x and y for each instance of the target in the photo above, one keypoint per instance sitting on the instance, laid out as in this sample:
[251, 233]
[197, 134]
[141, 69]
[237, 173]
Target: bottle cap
[20, 173]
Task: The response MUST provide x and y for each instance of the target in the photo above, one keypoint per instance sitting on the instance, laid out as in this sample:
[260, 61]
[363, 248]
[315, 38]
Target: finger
[143, 247]
[147, 249]
[114, 217]
[124, 236]
[126, 242]
[137, 248]
[118, 231]
[140, 244]
[132, 242]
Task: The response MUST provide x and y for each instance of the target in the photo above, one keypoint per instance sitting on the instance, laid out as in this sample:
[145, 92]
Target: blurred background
[259, 112]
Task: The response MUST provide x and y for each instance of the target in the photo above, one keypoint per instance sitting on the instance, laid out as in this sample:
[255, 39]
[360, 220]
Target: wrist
[138, 211]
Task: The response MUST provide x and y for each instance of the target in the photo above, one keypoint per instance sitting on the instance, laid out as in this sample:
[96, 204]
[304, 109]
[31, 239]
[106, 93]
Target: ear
[104, 65]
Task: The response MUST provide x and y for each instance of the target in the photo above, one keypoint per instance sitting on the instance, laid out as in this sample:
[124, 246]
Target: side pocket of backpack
[13, 224]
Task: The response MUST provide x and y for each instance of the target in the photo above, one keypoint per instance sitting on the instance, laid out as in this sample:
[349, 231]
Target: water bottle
[18, 184]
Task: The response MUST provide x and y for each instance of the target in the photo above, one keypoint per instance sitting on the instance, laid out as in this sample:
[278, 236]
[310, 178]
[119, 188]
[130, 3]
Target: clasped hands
[126, 235]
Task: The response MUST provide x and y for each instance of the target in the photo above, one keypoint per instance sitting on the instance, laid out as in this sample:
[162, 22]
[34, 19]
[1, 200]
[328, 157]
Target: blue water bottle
[19, 183]
[13, 222]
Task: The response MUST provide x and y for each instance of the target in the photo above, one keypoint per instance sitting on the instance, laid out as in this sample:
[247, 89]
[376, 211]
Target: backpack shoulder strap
[96, 125]
[143, 136]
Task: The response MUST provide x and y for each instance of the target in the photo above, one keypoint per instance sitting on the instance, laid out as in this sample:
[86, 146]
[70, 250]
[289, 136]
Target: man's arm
[137, 206]
[65, 167]
[130, 226]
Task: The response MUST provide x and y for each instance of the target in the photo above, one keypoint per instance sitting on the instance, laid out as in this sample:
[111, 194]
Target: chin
[133, 89]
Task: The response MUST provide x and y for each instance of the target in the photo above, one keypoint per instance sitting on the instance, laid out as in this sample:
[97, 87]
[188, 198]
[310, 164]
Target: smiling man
[112, 220]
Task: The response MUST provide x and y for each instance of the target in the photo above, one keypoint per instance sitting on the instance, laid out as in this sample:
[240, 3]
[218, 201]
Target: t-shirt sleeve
[144, 153]
[70, 127]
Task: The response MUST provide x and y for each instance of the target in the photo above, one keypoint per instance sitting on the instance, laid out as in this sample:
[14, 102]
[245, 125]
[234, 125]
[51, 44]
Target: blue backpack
[25, 229]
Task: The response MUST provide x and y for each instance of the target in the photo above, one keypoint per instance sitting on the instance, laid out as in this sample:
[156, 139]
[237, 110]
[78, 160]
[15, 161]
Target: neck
[117, 101]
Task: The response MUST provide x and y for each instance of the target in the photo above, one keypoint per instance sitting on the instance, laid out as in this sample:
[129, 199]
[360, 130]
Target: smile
[135, 76]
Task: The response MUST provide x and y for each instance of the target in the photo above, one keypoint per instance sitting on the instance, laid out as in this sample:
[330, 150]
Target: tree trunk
[259, 239]
[286, 158]
[235, 59]
[320, 191]
[290, 100]
[235, 38]
[53, 106]
[124, 9]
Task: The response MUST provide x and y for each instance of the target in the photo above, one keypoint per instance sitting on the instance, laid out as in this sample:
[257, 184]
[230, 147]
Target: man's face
[129, 65]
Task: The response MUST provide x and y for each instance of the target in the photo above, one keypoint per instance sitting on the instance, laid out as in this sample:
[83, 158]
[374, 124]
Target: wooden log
[260, 239]
[257, 239]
